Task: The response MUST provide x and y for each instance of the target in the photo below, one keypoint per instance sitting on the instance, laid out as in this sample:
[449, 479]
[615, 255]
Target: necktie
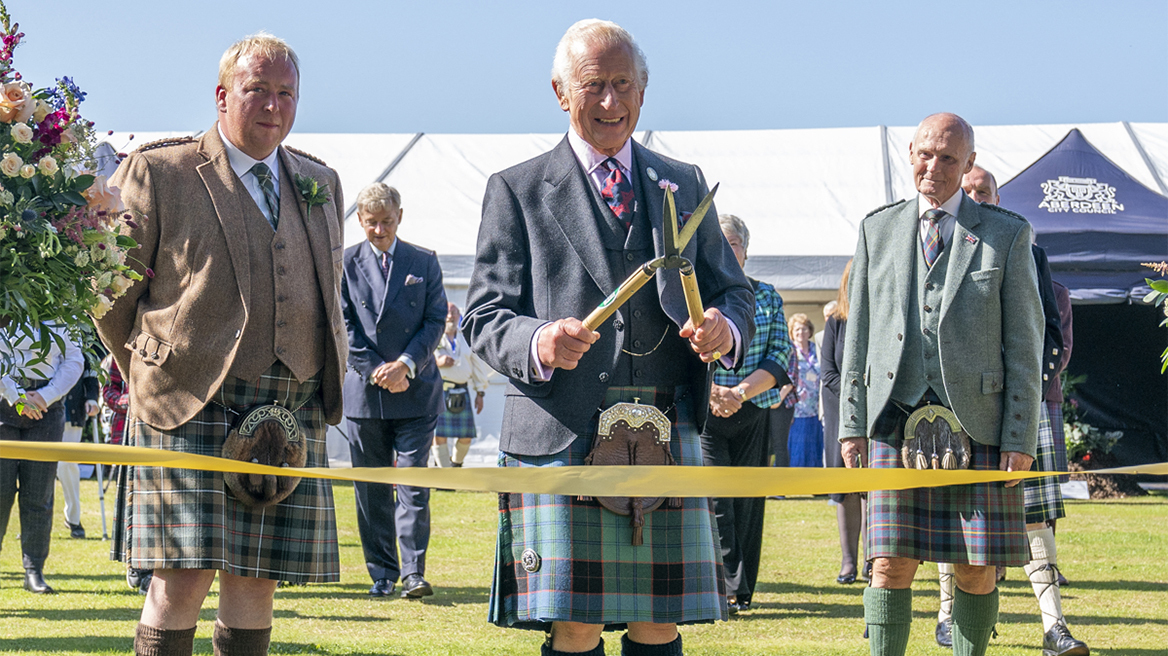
[933, 244]
[618, 193]
[264, 175]
[385, 265]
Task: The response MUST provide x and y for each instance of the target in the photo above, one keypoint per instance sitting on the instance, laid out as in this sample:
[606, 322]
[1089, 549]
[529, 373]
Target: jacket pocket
[150, 349]
[985, 274]
[991, 382]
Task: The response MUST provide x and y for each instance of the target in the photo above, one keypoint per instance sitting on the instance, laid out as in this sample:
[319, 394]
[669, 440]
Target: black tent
[1098, 224]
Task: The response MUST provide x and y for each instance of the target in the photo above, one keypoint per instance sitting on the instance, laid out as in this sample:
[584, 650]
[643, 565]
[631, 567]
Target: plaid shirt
[771, 348]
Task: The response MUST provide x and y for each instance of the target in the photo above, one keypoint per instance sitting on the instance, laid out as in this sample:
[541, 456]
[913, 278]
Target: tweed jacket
[991, 324]
[386, 318]
[175, 335]
[770, 349]
[541, 256]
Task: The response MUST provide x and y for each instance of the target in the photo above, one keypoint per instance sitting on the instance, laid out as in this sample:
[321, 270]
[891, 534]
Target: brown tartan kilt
[186, 519]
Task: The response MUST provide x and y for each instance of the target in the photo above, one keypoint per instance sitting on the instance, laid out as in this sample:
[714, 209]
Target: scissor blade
[691, 226]
[669, 223]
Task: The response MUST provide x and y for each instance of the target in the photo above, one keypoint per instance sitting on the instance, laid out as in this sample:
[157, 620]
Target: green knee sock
[974, 617]
[888, 614]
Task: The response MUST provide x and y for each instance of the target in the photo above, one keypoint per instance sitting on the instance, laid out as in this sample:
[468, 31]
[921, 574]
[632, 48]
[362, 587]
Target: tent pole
[389, 169]
[1147, 160]
[887, 164]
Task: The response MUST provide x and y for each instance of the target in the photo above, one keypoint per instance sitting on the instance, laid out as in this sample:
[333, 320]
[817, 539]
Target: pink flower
[665, 184]
[16, 103]
[102, 196]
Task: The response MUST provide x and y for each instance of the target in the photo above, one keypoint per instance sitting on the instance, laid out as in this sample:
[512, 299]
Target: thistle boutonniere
[312, 192]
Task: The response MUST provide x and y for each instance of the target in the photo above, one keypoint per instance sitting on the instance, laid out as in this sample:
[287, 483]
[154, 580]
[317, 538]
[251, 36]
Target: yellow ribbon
[588, 481]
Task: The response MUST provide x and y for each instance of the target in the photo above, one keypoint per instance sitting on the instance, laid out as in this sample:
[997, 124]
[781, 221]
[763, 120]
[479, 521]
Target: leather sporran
[457, 399]
[265, 435]
[934, 439]
[632, 434]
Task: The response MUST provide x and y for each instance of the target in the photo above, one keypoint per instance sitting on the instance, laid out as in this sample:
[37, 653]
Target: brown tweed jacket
[176, 334]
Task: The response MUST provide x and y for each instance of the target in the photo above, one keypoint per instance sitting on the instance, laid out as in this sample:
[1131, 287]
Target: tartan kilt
[456, 424]
[588, 569]
[978, 524]
[187, 519]
[1044, 496]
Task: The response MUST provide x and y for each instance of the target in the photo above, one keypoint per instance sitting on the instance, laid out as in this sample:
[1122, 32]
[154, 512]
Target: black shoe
[34, 582]
[76, 531]
[456, 465]
[381, 588]
[144, 584]
[846, 579]
[743, 604]
[134, 577]
[1059, 642]
[945, 633]
[415, 587]
[1059, 578]
[868, 570]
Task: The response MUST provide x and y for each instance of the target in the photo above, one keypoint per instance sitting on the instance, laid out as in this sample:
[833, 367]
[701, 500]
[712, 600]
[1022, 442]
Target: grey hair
[731, 223]
[593, 31]
[965, 128]
[263, 44]
[378, 197]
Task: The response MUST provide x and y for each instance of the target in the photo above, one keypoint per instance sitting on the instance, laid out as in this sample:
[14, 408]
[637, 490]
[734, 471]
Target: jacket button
[1016, 398]
[928, 308]
[280, 270]
[1018, 416]
[899, 337]
[927, 376]
[851, 399]
[406, 331]
[924, 331]
[237, 333]
[279, 245]
[1045, 377]
[154, 356]
[638, 373]
[378, 331]
[929, 286]
[890, 375]
[629, 257]
[281, 323]
[279, 350]
[142, 352]
[413, 304]
[517, 371]
[637, 314]
[280, 298]
[618, 324]
[636, 343]
[853, 417]
[603, 376]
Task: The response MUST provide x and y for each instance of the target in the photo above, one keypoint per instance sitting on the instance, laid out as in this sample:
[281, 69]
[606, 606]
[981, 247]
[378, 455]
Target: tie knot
[262, 172]
[935, 215]
[611, 164]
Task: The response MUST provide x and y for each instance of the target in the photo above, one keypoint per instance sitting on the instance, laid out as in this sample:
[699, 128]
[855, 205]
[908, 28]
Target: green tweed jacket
[990, 332]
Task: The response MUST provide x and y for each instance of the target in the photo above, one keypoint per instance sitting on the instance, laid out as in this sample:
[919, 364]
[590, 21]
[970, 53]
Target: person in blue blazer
[395, 311]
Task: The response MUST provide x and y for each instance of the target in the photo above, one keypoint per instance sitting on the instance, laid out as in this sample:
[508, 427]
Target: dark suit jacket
[541, 257]
[831, 362]
[386, 319]
[1052, 337]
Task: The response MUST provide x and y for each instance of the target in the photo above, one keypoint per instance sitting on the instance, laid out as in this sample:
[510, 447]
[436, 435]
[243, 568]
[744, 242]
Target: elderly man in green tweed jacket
[945, 311]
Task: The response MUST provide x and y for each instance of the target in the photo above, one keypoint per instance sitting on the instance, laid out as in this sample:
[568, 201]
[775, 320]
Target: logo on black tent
[1079, 196]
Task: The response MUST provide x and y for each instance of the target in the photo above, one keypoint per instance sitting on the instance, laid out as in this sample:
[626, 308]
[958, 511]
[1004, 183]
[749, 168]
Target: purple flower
[665, 184]
[149, 273]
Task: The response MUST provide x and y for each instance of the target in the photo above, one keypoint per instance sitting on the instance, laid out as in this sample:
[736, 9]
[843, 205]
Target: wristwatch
[741, 392]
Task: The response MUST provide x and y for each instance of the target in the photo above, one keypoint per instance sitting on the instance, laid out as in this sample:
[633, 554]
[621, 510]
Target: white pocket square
[413, 280]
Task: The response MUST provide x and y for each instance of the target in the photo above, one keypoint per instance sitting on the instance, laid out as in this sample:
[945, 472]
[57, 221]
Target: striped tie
[618, 192]
[933, 244]
[264, 175]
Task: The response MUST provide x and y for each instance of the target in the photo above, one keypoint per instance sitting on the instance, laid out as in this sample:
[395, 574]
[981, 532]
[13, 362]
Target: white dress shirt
[946, 224]
[61, 368]
[241, 163]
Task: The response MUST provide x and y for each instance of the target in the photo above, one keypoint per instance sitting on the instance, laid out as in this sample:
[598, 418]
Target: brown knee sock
[240, 642]
[149, 641]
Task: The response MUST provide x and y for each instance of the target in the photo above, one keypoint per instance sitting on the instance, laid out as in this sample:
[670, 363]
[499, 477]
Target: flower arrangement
[62, 256]
[1159, 296]
[1082, 438]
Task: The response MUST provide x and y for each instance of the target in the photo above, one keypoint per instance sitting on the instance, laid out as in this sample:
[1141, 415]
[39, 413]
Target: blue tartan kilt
[588, 570]
[979, 524]
[187, 519]
[1044, 496]
[457, 424]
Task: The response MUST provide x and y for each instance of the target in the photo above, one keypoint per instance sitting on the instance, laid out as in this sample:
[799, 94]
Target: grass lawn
[1114, 553]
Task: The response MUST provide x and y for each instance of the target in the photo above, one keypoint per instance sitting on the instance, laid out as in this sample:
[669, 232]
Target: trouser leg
[412, 443]
[371, 445]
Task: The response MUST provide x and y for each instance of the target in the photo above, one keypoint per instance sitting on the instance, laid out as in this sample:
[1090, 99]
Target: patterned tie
[618, 193]
[933, 244]
[264, 175]
[385, 265]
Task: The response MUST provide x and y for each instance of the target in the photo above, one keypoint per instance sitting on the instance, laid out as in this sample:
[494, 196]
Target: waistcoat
[920, 362]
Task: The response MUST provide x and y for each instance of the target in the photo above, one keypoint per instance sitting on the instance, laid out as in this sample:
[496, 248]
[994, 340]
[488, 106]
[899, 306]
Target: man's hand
[1013, 461]
[723, 401]
[444, 361]
[479, 403]
[91, 408]
[562, 343]
[785, 391]
[855, 452]
[713, 336]
[34, 397]
[392, 376]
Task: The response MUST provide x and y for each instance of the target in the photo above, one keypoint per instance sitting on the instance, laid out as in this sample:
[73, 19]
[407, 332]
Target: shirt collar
[377, 251]
[241, 162]
[590, 158]
[950, 206]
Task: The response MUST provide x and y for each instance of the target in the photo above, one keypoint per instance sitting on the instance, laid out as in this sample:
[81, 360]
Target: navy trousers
[382, 520]
[35, 481]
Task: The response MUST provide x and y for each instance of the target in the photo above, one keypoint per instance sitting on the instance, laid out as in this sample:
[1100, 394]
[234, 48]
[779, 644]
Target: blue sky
[452, 67]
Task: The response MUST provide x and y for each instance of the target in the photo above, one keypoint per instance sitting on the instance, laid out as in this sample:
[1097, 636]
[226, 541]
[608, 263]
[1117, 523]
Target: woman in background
[805, 442]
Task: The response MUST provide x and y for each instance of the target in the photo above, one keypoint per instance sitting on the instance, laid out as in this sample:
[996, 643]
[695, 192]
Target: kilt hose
[560, 559]
[456, 424]
[978, 524]
[1044, 496]
[187, 519]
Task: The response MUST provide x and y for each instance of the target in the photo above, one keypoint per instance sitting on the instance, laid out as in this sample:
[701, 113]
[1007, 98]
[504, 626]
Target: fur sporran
[934, 439]
[265, 435]
[632, 434]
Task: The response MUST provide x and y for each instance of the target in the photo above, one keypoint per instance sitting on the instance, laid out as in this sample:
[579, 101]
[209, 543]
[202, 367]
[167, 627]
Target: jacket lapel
[227, 195]
[403, 260]
[370, 269]
[669, 291]
[963, 248]
[906, 239]
[570, 203]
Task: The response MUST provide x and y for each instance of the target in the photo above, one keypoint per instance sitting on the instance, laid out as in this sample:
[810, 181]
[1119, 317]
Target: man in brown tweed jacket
[239, 307]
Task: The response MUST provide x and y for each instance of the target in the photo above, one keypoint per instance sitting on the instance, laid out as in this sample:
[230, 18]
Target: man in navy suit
[395, 312]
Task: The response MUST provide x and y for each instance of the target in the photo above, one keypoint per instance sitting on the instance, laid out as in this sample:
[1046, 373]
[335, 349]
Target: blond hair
[378, 197]
[263, 44]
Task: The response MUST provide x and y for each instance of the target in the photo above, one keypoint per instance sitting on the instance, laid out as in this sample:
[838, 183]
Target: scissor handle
[619, 296]
[693, 297]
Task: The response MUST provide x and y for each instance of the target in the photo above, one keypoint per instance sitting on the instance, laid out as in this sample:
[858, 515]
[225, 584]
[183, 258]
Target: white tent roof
[802, 192]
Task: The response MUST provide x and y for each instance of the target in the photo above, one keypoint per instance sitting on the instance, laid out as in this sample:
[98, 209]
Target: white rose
[27, 171]
[10, 164]
[48, 165]
[42, 110]
[120, 284]
[21, 133]
[100, 306]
